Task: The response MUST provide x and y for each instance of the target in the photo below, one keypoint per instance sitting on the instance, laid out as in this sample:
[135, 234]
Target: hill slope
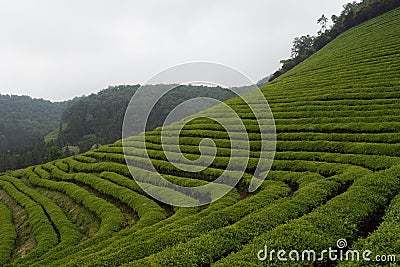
[76, 125]
[335, 176]
[97, 118]
[23, 119]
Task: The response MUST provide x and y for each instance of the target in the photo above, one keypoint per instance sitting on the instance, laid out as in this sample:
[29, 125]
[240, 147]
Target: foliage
[98, 118]
[78, 125]
[23, 119]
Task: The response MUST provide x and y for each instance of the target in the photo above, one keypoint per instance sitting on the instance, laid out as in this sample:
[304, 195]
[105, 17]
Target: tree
[335, 19]
[302, 47]
[322, 21]
[349, 8]
[54, 153]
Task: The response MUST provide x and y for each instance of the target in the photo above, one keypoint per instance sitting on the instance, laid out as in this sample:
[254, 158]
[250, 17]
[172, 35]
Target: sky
[60, 49]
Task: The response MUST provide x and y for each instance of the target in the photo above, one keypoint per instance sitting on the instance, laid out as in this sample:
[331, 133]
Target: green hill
[336, 175]
[23, 119]
[36, 131]
[97, 118]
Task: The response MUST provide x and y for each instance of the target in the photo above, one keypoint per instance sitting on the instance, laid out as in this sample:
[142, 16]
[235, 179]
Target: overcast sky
[58, 49]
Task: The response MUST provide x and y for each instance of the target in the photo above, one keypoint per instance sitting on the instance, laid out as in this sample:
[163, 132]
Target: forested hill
[23, 118]
[97, 119]
[41, 131]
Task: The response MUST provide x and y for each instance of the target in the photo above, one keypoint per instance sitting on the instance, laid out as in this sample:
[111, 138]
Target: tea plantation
[335, 175]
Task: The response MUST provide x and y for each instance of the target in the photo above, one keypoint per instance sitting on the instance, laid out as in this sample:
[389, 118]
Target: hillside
[23, 119]
[335, 176]
[97, 118]
[35, 132]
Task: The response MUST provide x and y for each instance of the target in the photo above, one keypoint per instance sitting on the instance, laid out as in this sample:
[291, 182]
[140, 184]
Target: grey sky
[58, 49]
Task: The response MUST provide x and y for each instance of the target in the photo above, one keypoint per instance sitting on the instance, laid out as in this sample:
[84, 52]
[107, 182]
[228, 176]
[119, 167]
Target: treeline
[352, 15]
[90, 121]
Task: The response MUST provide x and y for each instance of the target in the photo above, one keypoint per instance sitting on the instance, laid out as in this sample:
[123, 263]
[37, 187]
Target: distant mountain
[23, 119]
[263, 81]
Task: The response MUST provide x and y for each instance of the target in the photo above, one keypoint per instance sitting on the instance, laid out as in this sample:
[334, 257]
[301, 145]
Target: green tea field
[335, 175]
